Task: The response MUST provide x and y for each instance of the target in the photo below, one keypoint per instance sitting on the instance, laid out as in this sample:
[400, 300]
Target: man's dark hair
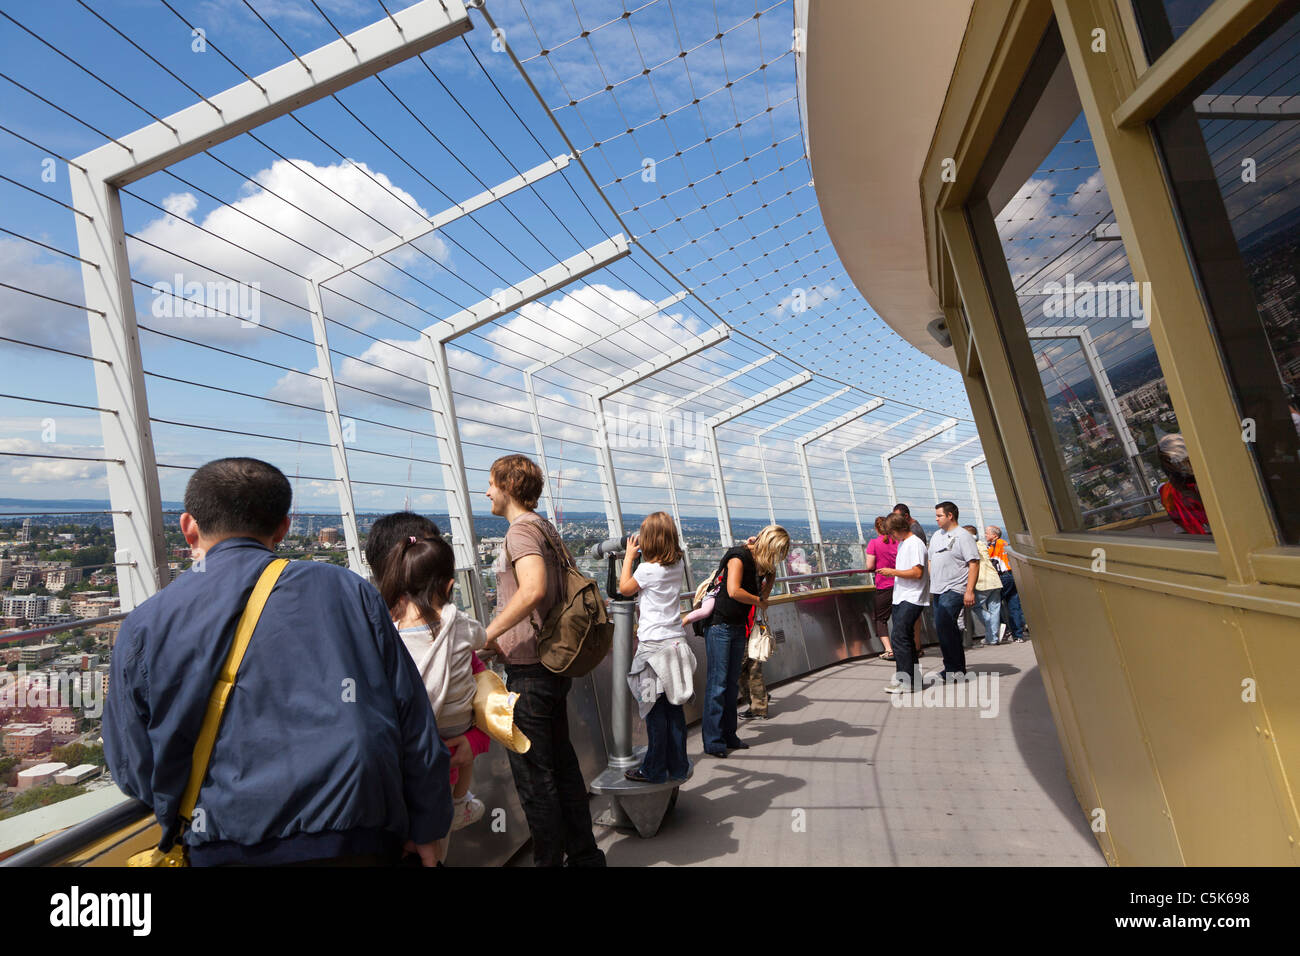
[948, 508]
[389, 531]
[233, 496]
[902, 509]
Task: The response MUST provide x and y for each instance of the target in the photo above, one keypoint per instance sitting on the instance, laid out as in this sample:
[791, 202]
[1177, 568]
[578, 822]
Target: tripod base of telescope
[636, 806]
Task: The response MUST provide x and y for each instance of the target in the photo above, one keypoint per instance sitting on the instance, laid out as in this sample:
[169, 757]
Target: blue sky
[734, 217]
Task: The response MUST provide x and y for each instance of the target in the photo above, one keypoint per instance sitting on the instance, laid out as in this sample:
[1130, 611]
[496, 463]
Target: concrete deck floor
[838, 776]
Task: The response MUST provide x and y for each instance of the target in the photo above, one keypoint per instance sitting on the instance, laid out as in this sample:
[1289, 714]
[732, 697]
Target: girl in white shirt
[662, 672]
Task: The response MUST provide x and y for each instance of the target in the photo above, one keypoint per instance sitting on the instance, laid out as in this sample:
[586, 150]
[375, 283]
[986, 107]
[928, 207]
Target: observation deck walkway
[879, 785]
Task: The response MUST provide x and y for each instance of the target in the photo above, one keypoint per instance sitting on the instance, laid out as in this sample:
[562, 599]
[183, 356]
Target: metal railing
[60, 628]
[57, 848]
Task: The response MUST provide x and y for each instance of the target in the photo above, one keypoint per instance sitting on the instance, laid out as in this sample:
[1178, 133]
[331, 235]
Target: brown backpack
[577, 632]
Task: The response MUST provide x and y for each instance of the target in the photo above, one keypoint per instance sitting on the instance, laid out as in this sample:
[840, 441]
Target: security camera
[939, 329]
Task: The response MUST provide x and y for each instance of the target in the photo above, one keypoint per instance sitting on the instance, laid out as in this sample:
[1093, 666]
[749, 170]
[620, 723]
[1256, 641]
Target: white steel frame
[597, 396]
[538, 440]
[974, 491]
[320, 333]
[931, 458]
[96, 178]
[663, 441]
[1081, 334]
[758, 443]
[711, 434]
[443, 401]
[911, 443]
[802, 443]
[848, 473]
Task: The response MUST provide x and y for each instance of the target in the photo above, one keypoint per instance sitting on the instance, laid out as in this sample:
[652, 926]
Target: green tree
[76, 754]
[42, 796]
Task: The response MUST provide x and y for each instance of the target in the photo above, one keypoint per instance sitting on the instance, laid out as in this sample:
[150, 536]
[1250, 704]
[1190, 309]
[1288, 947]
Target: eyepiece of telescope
[608, 547]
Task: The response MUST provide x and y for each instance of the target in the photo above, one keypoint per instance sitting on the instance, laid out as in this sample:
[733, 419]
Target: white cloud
[332, 213]
[41, 471]
[29, 318]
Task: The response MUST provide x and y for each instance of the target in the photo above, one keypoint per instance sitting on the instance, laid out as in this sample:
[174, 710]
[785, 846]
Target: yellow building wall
[1169, 669]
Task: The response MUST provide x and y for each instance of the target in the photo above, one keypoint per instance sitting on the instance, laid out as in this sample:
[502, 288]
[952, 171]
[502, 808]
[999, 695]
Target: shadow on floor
[1040, 746]
[705, 811]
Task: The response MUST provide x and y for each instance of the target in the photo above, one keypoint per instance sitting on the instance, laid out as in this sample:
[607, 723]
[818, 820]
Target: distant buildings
[40, 774]
[78, 774]
[38, 653]
[57, 579]
[328, 536]
[27, 740]
[1154, 395]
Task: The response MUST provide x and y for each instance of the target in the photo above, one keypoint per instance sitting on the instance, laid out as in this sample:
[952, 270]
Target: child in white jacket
[416, 584]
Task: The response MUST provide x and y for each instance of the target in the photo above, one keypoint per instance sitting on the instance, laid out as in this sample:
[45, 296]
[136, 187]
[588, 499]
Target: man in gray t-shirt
[954, 567]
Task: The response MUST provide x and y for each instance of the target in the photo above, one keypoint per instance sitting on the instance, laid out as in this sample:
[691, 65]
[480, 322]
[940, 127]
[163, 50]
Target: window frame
[1244, 349]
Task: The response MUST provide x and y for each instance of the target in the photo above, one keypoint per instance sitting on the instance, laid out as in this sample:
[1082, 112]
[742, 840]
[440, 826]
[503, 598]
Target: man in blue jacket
[327, 752]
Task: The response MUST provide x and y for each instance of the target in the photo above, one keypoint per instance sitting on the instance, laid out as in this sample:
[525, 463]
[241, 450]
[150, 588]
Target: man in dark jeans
[529, 583]
[954, 568]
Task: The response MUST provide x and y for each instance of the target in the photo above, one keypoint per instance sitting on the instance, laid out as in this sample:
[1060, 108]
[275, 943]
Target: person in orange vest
[1010, 596]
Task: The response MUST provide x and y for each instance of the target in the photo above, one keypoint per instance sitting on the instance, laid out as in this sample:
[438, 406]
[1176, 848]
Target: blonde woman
[725, 638]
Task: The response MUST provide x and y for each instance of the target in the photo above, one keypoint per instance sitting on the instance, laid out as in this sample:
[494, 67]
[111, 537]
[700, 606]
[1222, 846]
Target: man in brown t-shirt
[529, 583]
[526, 538]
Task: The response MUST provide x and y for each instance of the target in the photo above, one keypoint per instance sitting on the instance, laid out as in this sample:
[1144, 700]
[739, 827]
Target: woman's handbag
[177, 854]
[760, 644]
[494, 712]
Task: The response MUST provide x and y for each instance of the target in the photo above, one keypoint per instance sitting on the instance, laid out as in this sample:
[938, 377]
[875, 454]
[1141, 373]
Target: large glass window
[1074, 321]
[1179, 14]
[1231, 148]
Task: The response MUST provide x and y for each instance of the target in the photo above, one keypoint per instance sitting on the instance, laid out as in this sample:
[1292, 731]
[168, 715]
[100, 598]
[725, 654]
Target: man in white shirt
[911, 597]
[954, 568]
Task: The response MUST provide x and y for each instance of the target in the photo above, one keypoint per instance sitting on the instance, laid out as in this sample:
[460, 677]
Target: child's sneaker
[468, 811]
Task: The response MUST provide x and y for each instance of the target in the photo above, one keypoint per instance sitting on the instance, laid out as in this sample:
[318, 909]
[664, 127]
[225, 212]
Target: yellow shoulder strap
[226, 683]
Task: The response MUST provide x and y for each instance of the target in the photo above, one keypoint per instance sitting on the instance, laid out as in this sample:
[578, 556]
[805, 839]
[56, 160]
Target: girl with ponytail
[416, 582]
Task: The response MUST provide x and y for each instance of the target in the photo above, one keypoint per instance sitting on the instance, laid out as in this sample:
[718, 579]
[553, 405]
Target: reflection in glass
[1231, 145]
[1075, 320]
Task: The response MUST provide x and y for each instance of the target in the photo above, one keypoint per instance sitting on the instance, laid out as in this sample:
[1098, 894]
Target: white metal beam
[443, 219]
[539, 441]
[743, 370]
[1105, 390]
[534, 287]
[328, 69]
[597, 395]
[871, 436]
[447, 429]
[802, 412]
[442, 400]
[330, 403]
[133, 490]
[931, 458]
[758, 443]
[671, 356]
[663, 441]
[95, 179]
[802, 443]
[623, 324]
[1081, 334]
[711, 435]
[911, 443]
[974, 491]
